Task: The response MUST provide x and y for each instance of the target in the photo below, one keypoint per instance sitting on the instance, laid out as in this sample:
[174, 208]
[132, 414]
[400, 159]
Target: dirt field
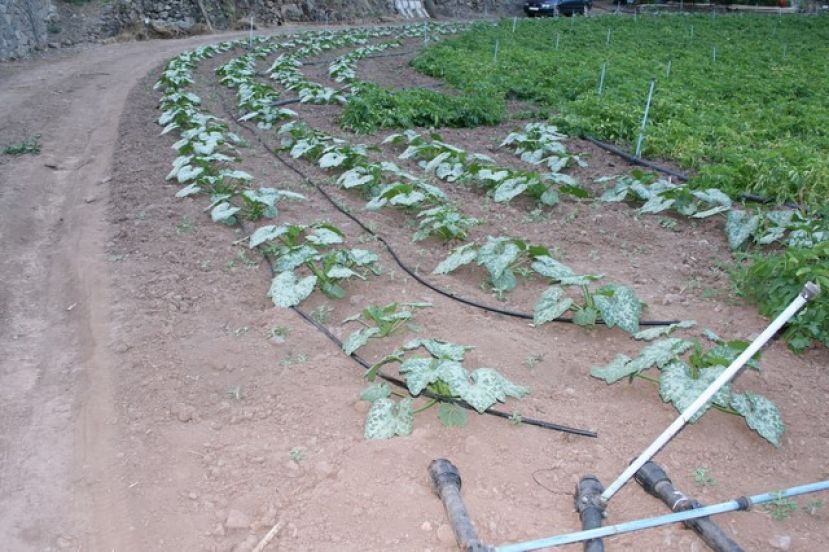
[144, 404]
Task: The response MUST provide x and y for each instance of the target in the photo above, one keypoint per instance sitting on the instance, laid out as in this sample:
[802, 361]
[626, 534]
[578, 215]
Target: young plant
[26, 147]
[441, 372]
[379, 322]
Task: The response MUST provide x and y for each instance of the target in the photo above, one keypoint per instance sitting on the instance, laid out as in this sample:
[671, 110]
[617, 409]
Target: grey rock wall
[24, 26]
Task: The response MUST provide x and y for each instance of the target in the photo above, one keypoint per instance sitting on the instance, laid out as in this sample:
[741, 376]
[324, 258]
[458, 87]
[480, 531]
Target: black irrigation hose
[426, 393]
[636, 160]
[417, 277]
[754, 198]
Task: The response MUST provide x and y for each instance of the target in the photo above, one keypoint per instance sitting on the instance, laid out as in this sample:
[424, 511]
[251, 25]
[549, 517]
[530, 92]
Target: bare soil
[146, 405]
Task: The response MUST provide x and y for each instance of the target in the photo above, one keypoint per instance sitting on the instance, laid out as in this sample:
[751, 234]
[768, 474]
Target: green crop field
[740, 101]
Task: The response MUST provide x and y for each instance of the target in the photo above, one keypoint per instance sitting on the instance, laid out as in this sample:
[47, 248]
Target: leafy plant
[442, 372]
[702, 477]
[681, 382]
[781, 508]
[30, 147]
[379, 322]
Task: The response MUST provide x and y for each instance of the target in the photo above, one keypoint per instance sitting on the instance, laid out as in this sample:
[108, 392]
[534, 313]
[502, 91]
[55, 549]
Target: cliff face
[23, 26]
[30, 25]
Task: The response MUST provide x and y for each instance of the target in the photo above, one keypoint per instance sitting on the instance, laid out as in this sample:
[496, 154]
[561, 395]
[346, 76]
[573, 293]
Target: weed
[30, 146]
[235, 393]
[702, 477]
[293, 360]
[322, 314]
[297, 454]
[278, 334]
[532, 360]
[185, 226]
[812, 508]
[240, 332]
[781, 508]
[516, 419]
[669, 224]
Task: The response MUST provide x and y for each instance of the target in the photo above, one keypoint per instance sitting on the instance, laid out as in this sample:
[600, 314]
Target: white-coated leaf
[460, 256]
[288, 291]
[363, 257]
[497, 254]
[341, 273]
[488, 387]
[652, 333]
[358, 339]
[656, 204]
[224, 212]
[739, 227]
[676, 386]
[438, 348]
[354, 178]
[331, 159]
[294, 257]
[761, 415]
[552, 304]
[508, 189]
[621, 308]
[189, 190]
[324, 236]
[617, 369]
[375, 391]
[188, 173]
[386, 419]
[266, 233]
[713, 196]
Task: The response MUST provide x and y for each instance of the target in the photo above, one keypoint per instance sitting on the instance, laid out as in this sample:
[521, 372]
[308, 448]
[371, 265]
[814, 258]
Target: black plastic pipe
[446, 482]
[655, 481]
[590, 508]
[636, 160]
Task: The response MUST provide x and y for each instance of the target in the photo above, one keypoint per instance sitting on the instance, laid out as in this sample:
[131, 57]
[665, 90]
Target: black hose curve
[417, 277]
[395, 381]
[636, 160]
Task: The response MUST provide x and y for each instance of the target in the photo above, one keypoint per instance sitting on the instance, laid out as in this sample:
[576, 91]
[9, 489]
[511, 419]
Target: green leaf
[619, 306]
[324, 236]
[363, 257]
[585, 316]
[422, 372]
[439, 349]
[375, 391]
[497, 254]
[652, 333]
[287, 291]
[189, 190]
[552, 304]
[358, 339]
[386, 419]
[488, 388]
[739, 227]
[614, 371]
[452, 415]
[660, 353]
[331, 159]
[265, 233]
[294, 257]
[508, 189]
[761, 415]
[559, 272]
[341, 273]
[224, 212]
[678, 387]
[460, 256]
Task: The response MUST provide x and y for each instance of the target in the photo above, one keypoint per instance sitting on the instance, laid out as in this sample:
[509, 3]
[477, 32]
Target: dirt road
[153, 399]
[57, 478]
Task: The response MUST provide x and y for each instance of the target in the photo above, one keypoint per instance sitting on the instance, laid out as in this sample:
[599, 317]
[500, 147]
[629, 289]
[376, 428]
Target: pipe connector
[810, 291]
[443, 473]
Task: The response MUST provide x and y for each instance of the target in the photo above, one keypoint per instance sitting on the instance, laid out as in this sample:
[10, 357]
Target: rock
[236, 519]
[445, 534]
[426, 526]
[781, 542]
[182, 412]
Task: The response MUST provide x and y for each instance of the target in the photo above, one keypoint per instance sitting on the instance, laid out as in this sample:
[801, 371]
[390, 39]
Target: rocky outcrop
[24, 26]
[30, 25]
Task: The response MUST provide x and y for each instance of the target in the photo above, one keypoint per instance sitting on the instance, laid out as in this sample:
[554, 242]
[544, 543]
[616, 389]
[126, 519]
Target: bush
[373, 108]
[772, 281]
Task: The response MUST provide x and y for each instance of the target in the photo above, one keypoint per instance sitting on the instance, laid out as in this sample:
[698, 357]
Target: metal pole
[514, 23]
[558, 38]
[607, 42]
[809, 291]
[668, 69]
[495, 55]
[601, 79]
[250, 39]
[742, 503]
[714, 54]
[644, 123]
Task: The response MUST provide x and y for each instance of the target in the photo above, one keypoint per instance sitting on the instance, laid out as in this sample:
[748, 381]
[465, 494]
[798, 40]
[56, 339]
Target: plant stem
[428, 405]
[648, 378]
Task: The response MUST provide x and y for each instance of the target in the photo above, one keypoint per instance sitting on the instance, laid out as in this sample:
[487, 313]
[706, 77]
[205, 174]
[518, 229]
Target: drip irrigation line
[365, 364]
[636, 160]
[374, 56]
[426, 393]
[417, 277]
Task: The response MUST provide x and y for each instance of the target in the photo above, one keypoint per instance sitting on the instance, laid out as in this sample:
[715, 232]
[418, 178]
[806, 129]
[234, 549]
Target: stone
[445, 534]
[236, 519]
[781, 542]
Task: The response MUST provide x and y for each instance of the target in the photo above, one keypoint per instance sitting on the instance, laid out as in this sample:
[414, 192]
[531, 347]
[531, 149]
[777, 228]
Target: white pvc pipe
[808, 292]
